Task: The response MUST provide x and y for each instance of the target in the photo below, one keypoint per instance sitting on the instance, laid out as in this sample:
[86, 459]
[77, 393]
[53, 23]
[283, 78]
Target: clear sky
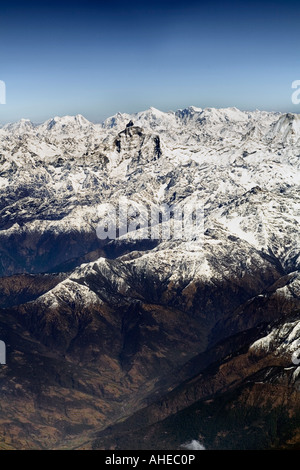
[98, 58]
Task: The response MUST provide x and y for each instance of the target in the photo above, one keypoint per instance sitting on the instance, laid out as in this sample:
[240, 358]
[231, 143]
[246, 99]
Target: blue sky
[99, 58]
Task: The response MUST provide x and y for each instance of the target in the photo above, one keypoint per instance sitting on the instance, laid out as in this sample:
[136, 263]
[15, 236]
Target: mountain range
[140, 343]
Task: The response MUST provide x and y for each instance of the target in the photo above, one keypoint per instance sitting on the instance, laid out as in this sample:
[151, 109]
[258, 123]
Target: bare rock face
[140, 342]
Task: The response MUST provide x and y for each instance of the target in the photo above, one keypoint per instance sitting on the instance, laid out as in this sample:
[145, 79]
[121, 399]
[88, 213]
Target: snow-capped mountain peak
[20, 127]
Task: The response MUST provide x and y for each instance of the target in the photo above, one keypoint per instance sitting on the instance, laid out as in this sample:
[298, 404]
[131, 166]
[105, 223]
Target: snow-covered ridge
[151, 117]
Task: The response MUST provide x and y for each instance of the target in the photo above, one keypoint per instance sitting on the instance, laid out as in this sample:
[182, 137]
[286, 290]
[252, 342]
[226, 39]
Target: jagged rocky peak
[187, 114]
[136, 144]
[286, 129]
[118, 121]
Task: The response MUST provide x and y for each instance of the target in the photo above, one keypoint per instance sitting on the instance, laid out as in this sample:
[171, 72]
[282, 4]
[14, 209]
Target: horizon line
[36, 124]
